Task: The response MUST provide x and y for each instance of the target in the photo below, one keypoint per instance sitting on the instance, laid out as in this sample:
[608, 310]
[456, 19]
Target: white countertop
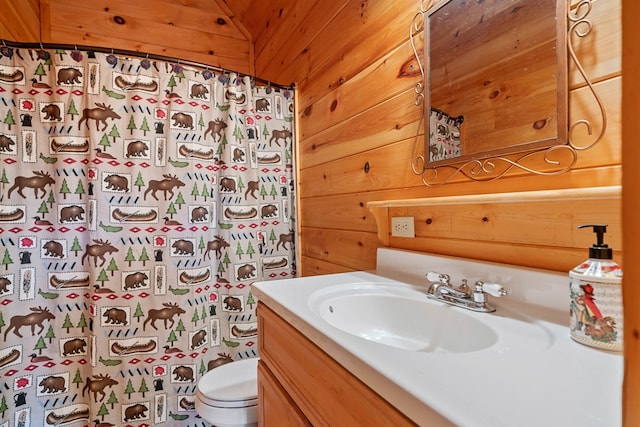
[557, 383]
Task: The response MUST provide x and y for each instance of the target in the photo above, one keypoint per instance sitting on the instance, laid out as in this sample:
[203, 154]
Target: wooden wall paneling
[556, 259]
[33, 4]
[159, 17]
[389, 168]
[392, 74]
[392, 120]
[389, 164]
[228, 15]
[235, 21]
[187, 32]
[352, 39]
[339, 172]
[253, 15]
[315, 267]
[65, 36]
[45, 20]
[275, 61]
[577, 178]
[339, 169]
[600, 51]
[521, 181]
[292, 38]
[277, 28]
[191, 35]
[19, 20]
[377, 169]
[607, 151]
[531, 228]
[352, 249]
[596, 155]
[349, 211]
[541, 224]
[582, 105]
[342, 212]
[349, 61]
[201, 16]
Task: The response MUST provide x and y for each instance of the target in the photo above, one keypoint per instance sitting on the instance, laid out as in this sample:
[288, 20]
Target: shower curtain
[139, 200]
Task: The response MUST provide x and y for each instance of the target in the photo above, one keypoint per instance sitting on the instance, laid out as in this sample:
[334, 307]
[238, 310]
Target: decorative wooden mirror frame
[551, 157]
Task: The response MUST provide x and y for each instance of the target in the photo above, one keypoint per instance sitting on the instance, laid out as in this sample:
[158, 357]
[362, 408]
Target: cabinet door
[326, 392]
[276, 407]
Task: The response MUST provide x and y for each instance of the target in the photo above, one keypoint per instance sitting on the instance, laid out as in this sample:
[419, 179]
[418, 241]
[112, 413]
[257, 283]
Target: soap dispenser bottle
[596, 297]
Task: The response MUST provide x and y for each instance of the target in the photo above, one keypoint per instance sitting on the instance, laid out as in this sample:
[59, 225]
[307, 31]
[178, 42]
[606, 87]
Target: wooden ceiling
[220, 33]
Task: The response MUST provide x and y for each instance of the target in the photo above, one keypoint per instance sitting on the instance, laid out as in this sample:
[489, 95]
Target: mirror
[496, 78]
[494, 88]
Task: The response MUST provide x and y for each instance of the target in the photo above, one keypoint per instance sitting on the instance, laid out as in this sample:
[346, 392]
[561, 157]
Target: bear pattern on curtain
[139, 201]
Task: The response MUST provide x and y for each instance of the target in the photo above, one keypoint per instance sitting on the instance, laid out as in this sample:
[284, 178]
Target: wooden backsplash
[536, 229]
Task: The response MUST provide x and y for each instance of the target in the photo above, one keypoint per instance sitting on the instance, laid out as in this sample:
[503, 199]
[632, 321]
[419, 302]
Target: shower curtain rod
[123, 52]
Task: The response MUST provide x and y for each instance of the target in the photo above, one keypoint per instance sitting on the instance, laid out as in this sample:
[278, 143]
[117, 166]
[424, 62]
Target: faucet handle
[434, 277]
[494, 289]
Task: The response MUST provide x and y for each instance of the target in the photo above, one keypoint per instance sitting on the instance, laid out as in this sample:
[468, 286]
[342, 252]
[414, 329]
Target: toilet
[227, 396]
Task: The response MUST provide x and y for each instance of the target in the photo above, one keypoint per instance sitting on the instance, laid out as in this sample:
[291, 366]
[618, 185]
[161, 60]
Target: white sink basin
[425, 357]
[400, 317]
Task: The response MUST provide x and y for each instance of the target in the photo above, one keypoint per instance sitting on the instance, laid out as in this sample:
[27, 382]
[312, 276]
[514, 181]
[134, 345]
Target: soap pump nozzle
[599, 250]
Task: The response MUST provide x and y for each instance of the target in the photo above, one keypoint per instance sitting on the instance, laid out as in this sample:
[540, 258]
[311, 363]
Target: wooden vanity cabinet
[300, 385]
[276, 407]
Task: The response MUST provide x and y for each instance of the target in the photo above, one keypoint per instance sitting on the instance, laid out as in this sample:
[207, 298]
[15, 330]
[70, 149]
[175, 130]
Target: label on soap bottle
[596, 305]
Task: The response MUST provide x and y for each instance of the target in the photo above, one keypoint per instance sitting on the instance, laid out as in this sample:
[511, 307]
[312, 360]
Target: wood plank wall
[355, 72]
[203, 31]
[19, 20]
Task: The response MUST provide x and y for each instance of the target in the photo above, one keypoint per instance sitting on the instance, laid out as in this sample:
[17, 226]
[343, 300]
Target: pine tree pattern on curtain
[139, 201]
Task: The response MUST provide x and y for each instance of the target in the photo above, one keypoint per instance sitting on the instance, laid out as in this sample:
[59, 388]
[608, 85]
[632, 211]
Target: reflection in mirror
[494, 75]
[495, 88]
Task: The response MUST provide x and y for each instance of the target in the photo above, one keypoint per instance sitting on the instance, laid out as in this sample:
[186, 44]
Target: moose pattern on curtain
[139, 200]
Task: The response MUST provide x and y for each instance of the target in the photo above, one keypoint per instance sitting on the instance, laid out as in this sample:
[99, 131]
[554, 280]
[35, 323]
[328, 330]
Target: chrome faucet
[475, 299]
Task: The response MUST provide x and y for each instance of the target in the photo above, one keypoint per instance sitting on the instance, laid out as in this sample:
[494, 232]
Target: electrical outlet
[402, 226]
